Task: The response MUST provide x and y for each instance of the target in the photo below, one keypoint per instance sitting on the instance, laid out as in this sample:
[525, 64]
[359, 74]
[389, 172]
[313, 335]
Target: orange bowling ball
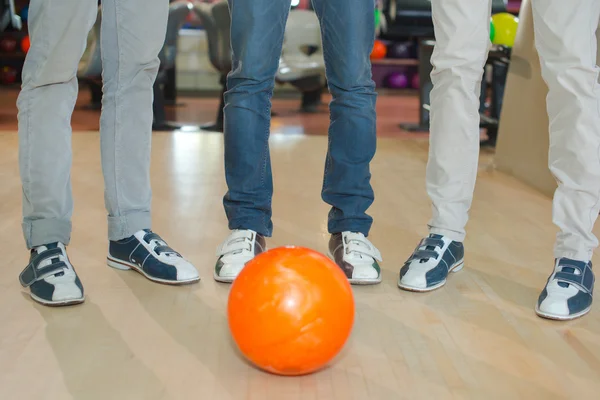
[379, 50]
[290, 311]
[25, 44]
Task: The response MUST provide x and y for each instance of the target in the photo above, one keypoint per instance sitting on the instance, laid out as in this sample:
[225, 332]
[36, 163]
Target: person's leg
[131, 41]
[58, 30]
[348, 33]
[257, 29]
[566, 43]
[133, 32]
[462, 41]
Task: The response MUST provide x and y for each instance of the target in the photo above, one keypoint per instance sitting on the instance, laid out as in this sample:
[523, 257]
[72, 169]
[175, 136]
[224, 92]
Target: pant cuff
[349, 226]
[573, 255]
[126, 225]
[452, 235]
[43, 231]
[255, 226]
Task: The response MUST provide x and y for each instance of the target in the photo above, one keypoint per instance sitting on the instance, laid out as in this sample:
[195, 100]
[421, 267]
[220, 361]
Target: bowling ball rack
[12, 56]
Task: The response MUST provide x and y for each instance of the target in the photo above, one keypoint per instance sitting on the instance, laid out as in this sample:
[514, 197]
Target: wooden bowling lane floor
[476, 338]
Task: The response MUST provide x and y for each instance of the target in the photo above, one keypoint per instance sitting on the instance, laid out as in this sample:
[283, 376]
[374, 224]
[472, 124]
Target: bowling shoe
[431, 262]
[147, 253]
[50, 277]
[356, 256]
[241, 246]
[568, 291]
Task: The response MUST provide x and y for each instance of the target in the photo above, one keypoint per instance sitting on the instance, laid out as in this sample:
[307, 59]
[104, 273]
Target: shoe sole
[223, 279]
[125, 266]
[362, 282]
[455, 268]
[561, 317]
[231, 279]
[61, 303]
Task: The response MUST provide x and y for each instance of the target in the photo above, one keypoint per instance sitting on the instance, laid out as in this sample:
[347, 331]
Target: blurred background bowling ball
[505, 29]
[379, 50]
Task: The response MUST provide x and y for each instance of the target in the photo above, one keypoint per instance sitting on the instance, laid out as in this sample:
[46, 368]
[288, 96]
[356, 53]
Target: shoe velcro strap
[584, 282]
[165, 249]
[152, 236]
[363, 248]
[238, 240]
[423, 254]
[431, 242]
[235, 246]
[32, 273]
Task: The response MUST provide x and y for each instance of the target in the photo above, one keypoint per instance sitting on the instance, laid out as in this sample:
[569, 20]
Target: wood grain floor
[476, 338]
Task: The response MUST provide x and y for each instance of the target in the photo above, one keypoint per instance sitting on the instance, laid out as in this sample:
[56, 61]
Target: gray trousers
[133, 32]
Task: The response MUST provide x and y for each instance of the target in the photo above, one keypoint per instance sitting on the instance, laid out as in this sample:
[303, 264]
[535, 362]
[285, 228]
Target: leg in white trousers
[462, 31]
[565, 36]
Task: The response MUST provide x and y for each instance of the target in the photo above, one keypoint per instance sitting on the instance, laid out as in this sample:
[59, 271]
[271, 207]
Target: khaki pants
[566, 43]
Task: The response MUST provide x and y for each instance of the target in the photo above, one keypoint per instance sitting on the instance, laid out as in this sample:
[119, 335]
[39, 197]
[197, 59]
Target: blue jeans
[257, 30]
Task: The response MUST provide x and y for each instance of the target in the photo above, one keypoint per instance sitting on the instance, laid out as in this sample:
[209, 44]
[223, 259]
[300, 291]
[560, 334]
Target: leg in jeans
[566, 43]
[348, 33]
[58, 30]
[257, 29]
[462, 41]
[133, 32]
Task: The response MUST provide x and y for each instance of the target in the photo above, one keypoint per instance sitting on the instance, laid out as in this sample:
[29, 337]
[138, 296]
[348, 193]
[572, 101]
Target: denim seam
[265, 156]
[326, 56]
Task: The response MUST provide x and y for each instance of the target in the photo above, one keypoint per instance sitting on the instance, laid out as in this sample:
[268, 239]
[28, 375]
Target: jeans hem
[349, 226]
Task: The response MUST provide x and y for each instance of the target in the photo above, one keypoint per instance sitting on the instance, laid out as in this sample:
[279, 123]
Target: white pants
[566, 43]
